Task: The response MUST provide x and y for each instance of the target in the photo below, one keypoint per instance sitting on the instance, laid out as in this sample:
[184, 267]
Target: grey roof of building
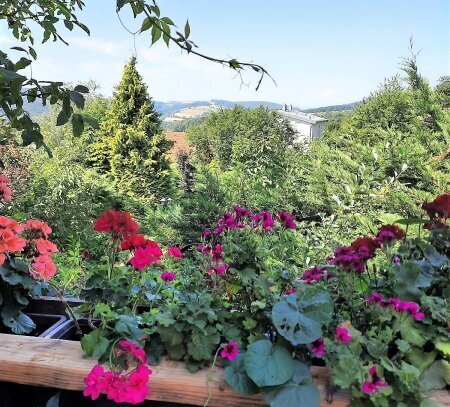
[302, 117]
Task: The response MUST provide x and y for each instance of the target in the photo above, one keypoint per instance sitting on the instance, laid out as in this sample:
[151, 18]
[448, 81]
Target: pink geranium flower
[373, 385]
[230, 351]
[44, 267]
[343, 335]
[318, 347]
[174, 252]
[145, 256]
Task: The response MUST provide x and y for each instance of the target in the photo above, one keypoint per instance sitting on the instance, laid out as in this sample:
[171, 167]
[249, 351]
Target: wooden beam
[63, 365]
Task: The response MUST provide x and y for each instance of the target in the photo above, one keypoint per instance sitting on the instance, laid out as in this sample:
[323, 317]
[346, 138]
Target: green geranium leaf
[420, 359]
[19, 322]
[346, 371]
[299, 391]
[95, 343]
[203, 343]
[299, 319]
[237, 377]
[268, 365]
[437, 376]
[443, 347]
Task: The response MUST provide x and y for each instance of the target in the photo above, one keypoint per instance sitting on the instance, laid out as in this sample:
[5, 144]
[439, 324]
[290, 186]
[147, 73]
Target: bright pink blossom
[174, 252]
[145, 256]
[230, 351]
[95, 383]
[343, 335]
[373, 385]
[5, 190]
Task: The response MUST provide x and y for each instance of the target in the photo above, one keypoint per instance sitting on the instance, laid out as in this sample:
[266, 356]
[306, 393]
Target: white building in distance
[306, 125]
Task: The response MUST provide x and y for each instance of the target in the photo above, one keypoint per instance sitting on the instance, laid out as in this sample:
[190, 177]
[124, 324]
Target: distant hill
[169, 108]
[333, 108]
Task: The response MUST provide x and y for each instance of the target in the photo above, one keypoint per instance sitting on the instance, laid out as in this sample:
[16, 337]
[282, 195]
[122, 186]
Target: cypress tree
[132, 147]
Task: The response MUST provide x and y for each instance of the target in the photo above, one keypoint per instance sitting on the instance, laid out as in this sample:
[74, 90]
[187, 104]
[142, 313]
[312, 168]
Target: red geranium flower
[119, 224]
[133, 242]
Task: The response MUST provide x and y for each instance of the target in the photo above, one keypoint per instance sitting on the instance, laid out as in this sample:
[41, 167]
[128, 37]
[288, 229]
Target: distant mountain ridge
[171, 107]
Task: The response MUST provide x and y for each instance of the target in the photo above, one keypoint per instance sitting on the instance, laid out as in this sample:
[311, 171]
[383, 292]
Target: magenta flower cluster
[373, 385]
[244, 218]
[354, 257]
[121, 386]
[397, 305]
[314, 274]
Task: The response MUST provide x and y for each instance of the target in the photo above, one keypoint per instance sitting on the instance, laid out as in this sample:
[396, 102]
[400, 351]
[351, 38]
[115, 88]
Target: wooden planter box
[62, 364]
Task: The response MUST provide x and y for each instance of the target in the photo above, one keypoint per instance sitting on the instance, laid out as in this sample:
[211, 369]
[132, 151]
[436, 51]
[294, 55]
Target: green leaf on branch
[81, 89]
[91, 121]
[156, 33]
[95, 343]
[77, 98]
[299, 391]
[268, 365]
[187, 29]
[77, 125]
[146, 24]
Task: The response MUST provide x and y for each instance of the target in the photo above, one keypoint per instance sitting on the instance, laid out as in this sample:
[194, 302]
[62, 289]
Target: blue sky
[319, 52]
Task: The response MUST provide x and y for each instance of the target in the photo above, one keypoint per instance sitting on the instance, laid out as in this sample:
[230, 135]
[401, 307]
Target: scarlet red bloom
[438, 208]
[174, 252]
[230, 351]
[145, 256]
[119, 224]
[44, 267]
[133, 242]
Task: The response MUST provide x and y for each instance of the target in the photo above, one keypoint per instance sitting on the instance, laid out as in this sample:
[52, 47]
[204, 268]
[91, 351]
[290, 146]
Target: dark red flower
[388, 234]
[364, 247]
[119, 224]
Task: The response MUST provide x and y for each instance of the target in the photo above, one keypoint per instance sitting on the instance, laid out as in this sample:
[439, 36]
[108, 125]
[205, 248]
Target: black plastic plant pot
[68, 330]
[44, 324]
[51, 305]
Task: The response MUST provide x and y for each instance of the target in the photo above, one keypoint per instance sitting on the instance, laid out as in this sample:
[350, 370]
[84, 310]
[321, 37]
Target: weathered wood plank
[62, 364]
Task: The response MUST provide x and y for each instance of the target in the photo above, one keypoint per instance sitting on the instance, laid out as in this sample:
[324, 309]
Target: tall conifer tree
[132, 147]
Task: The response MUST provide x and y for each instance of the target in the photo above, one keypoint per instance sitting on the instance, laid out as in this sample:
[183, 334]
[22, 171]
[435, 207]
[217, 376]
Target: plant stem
[60, 293]
[209, 376]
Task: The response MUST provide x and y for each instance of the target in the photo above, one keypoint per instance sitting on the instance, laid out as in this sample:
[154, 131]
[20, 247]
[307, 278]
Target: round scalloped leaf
[268, 365]
[237, 377]
[299, 391]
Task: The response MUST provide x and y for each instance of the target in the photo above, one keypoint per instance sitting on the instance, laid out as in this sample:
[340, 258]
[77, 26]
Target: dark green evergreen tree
[132, 147]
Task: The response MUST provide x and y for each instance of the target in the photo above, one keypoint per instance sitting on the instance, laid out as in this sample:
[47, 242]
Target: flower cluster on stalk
[128, 383]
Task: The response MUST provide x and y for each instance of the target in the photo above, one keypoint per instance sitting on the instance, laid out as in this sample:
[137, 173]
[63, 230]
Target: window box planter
[62, 364]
